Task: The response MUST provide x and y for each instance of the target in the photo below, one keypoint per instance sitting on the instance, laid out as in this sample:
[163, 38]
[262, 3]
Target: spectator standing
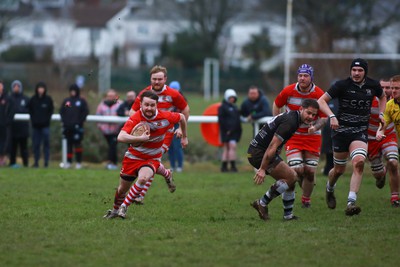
[109, 107]
[41, 108]
[230, 129]
[19, 129]
[255, 106]
[125, 107]
[350, 137]
[7, 112]
[73, 112]
[175, 152]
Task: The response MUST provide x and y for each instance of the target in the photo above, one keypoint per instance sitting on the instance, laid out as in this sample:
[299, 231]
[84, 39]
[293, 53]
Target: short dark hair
[149, 94]
[309, 102]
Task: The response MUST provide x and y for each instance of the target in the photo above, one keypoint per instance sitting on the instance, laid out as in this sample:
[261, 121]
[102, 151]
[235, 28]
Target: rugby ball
[139, 129]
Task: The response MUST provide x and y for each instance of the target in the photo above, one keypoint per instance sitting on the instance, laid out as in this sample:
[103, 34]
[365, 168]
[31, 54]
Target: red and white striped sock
[134, 192]
[305, 199]
[395, 197]
[166, 173]
[146, 187]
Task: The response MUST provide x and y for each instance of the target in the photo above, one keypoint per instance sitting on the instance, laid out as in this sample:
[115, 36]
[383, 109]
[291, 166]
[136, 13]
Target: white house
[72, 32]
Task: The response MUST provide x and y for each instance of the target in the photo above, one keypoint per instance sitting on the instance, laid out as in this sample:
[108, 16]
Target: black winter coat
[7, 110]
[41, 109]
[230, 126]
[73, 112]
[20, 129]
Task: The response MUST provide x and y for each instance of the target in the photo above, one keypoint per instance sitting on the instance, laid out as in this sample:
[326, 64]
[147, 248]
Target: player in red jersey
[303, 148]
[143, 160]
[386, 148]
[168, 99]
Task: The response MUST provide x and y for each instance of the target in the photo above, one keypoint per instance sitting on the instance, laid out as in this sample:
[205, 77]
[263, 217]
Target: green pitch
[54, 218]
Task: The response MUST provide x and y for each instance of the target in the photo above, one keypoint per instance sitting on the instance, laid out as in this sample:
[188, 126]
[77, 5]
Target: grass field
[54, 218]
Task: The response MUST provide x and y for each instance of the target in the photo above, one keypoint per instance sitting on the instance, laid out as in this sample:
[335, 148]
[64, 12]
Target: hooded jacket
[229, 118]
[7, 109]
[20, 129]
[41, 108]
[74, 109]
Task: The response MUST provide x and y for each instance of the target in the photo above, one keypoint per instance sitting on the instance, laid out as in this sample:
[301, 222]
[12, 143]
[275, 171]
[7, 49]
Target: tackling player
[302, 149]
[263, 154]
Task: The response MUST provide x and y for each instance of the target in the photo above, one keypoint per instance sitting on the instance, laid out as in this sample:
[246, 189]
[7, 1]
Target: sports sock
[134, 192]
[118, 199]
[351, 199]
[288, 202]
[163, 171]
[275, 190]
[146, 186]
[305, 199]
[330, 188]
[394, 197]
[78, 153]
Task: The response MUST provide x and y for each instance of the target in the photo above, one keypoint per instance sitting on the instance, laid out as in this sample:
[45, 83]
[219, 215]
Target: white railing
[117, 119]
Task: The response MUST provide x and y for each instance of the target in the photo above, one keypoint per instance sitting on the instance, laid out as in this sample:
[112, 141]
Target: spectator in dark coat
[7, 112]
[126, 106]
[41, 108]
[19, 129]
[73, 112]
[230, 129]
[255, 106]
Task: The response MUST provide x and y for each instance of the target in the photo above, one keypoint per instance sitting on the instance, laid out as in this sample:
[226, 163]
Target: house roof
[94, 16]
[84, 15]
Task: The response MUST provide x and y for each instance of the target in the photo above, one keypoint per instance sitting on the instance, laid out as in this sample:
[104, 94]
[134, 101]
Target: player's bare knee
[358, 164]
[292, 178]
[337, 171]
[142, 180]
[392, 164]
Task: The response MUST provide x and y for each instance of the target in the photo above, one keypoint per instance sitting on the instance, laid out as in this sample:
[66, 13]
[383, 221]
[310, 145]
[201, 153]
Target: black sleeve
[244, 111]
[51, 107]
[121, 110]
[287, 128]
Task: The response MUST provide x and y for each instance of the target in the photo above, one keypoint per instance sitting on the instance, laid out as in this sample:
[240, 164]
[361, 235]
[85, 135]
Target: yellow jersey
[392, 114]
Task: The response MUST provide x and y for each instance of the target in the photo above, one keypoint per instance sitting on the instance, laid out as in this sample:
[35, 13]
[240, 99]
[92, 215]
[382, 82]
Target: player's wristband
[381, 114]
[332, 116]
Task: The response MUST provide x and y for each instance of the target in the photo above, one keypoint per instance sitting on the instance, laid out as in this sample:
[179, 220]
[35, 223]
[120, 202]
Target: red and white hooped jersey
[159, 125]
[292, 97]
[374, 122]
[168, 99]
